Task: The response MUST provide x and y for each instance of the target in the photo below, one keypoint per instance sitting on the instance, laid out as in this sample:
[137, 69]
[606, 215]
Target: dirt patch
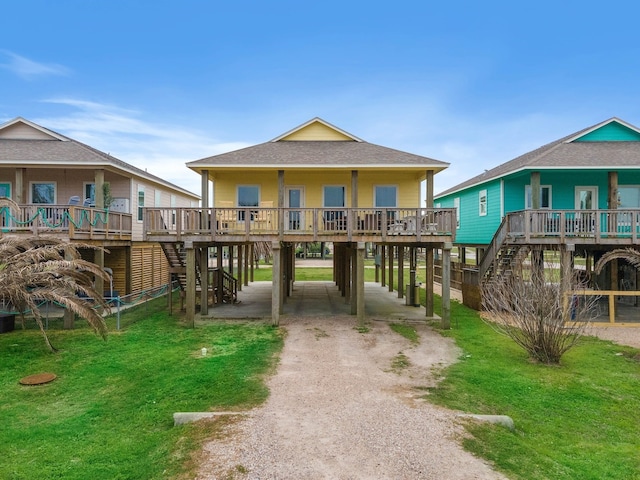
[340, 409]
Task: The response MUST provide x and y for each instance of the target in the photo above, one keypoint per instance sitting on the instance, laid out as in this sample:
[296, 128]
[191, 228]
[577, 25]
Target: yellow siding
[313, 181]
[316, 131]
[407, 185]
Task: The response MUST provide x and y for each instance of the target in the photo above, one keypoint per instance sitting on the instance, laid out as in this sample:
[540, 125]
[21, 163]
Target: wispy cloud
[160, 148]
[29, 69]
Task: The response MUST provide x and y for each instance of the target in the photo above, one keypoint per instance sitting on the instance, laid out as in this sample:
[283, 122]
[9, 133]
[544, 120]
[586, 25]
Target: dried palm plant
[630, 255]
[34, 270]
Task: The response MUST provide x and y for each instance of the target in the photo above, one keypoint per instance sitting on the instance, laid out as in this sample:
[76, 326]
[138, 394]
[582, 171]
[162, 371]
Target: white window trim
[84, 191]
[10, 188]
[141, 189]
[344, 195]
[634, 186]
[386, 185]
[586, 187]
[55, 191]
[528, 188]
[483, 194]
[238, 187]
[157, 198]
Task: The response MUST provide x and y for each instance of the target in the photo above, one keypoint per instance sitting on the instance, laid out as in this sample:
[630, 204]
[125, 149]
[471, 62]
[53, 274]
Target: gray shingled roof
[69, 152]
[560, 154]
[314, 154]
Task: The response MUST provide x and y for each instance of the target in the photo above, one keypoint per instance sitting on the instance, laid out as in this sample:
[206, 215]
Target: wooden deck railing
[606, 307]
[590, 225]
[385, 222]
[75, 221]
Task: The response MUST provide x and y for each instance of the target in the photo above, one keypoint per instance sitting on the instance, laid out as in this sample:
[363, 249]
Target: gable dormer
[21, 129]
[613, 130]
[316, 129]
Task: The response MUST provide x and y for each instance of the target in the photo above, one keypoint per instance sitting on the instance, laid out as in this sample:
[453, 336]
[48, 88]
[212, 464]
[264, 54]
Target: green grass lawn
[108, 415]
[579, 420]
[326, 274]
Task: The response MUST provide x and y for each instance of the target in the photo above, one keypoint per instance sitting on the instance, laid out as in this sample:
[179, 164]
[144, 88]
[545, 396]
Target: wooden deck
[232, 225]
[73, 222]
[583, 227]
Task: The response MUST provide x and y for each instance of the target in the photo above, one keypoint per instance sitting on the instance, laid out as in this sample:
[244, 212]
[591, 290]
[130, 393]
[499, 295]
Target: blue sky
[160, 83]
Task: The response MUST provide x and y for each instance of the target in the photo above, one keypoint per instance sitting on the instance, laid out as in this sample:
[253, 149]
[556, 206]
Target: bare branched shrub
[539, 308]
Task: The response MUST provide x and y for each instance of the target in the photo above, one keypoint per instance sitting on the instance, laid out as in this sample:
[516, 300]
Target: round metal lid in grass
[38, 379]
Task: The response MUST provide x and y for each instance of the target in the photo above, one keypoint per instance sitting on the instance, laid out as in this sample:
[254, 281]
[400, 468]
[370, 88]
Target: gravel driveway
[339, 409]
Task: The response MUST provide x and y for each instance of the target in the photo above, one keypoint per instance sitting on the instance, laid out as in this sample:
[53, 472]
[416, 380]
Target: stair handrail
[497, 241]
[229, 284]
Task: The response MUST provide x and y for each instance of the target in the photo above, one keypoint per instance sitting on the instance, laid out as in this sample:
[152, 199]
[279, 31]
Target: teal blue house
[580, 193]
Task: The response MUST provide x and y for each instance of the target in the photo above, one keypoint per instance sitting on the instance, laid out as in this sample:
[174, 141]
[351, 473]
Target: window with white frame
[386, 196]
[5, 189]
[628, 196]
[157, 198]
[43, 192]
[173, 206]
[248, 196]
[482, 203]
[456, 205]
[89, 194]
[545, 197]
[333, 196]
[140, 202]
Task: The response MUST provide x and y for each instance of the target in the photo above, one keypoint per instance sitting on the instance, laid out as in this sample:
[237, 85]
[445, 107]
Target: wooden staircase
[507, 262]
[177, 257]
[502, 259]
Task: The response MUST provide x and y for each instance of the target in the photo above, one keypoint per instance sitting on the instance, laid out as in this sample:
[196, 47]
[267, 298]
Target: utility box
[7, 323]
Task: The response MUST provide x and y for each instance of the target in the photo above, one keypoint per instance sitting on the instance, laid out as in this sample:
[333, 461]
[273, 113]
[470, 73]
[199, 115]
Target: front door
[586, 199]
[294, 198]
[5, 215]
